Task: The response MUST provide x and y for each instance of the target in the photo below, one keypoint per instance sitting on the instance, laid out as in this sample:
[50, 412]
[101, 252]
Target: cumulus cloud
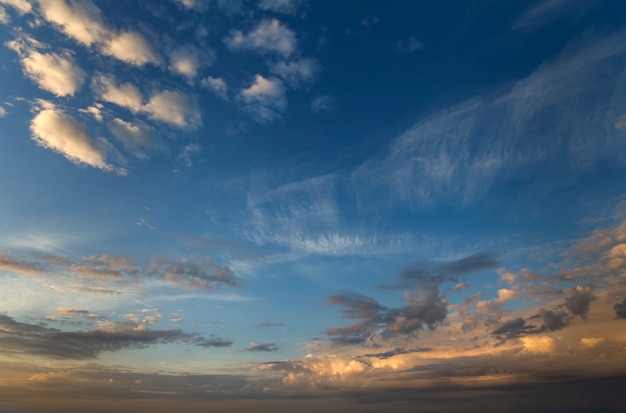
[175, 108]
[135, 136]
[217, 85]
[81, 21]
[620, 309]
[264, 99]
[132, 47]
[322, 103]
[578, 300]
[125, 95]
[289, 7]
[57, 73]
[298, 73]
[53, 129]
[269, 36]
[188, 60]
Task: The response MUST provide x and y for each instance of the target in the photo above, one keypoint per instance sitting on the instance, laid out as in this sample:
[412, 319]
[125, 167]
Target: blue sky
[279, 202]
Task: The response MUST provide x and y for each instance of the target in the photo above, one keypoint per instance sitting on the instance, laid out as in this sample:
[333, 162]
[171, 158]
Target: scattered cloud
[82, 21]
[3, 111]
[577, 300]
[4, 17]
[322, 103]
[125, 95]
[135, 136]
[262, 347]
[216, 85]
[289, 7]
[21, 6]
[189, 60]
[132, 47]
[269, 36]
[175, 108]
[298, 73]
[264, 99]
[56, 130]
[407, 46]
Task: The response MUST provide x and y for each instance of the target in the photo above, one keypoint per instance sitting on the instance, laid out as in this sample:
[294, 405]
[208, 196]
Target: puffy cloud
[554, 320]
[591, 342]
[538, 344]
[578, 300]
[269, 36]
[81, 21]
[175, 108]
[322, 103]
[57, 73]
[289, 7]
[217, 85]
[55, 130]
[132, 47]
[620, 309]
[189, 60]
[22, 6]
[125, 95]
[3, 111]
[299, 72]
[133, 135]
[264, 99]
[514, 328]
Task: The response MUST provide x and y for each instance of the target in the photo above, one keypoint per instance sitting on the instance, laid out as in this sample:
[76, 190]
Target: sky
[312, 206]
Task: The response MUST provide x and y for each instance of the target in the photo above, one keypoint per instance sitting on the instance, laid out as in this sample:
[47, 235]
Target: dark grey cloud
[578, 300]
[620, 309]
[195, 272]
[398, 351]
[18, 337]
[263, 347]
[515, 328]
[554, 320]
[476, 262]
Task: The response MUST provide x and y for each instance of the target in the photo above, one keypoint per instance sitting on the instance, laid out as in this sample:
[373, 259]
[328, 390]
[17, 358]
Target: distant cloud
[53, 129]
[407, 46]
[4, 17]
[189, 60]
[578, 300]
[57, 73]
[289, 7]
[175, 108]
[217, 85]
[264, 99]
[269, 36]
[298, 73]
[620, 309]
[125, 95]
[322, 103]
[3, 111]
[262, 347]
[132, 47]
[33, 339]
[549, 10]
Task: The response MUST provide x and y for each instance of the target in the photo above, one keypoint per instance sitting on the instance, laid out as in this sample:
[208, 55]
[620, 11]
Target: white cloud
[57, 73]
[132, 47]
[264, 99]
[289, 7]
[81, 21]
[135, 136]
[124, 95]
[322, 103]
[298, 72]
[55, 130]
[95, 111]
[22, 6]
[217, 86]
[4, 17]
[175, 108]
[189, 60]
[270, 36]
[3, 111]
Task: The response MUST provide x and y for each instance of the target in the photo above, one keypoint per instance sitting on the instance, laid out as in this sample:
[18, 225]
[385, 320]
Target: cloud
[33, 339]
[539, 344]
[262, 347]
[554, 320]
[466, 265]
[264, 99]
[578, 300]
[269, 36]
[217, 85]
[620, 309]
[548, 11]
[197, 272]
[135, 136]
[125, 95]
[4, 17]
[269, 325]
[189, 60]
[515, 328]
[408, 46]
[458, 154]
[175, 108]
[289, 7]
[322, 103]
[55, 130]
[21, 6]
[132, 47]
[3, 111]
[298, 73]
[81, 21]
[56, 73]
